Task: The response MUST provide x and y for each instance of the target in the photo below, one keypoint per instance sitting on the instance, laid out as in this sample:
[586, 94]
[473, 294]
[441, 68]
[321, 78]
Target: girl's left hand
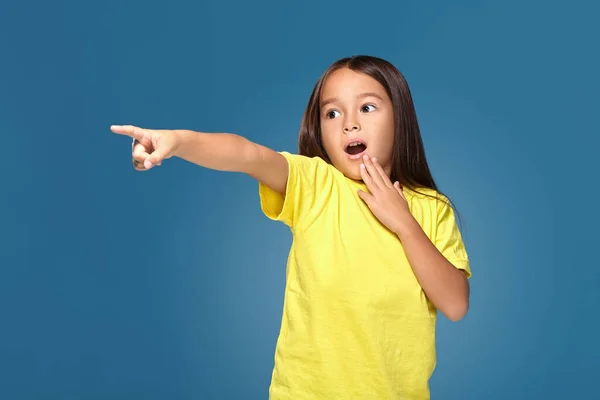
[386, 200]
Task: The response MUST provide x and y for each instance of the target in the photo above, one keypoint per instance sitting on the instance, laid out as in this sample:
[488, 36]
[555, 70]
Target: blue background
[169, 284]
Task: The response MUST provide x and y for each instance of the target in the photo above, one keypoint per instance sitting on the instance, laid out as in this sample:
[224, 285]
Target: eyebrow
[360, 96]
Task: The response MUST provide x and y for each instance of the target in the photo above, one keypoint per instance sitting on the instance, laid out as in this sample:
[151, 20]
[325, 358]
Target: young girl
[376, 250]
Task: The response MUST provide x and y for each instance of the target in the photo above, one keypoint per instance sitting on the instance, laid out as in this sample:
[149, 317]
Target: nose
[351, 126]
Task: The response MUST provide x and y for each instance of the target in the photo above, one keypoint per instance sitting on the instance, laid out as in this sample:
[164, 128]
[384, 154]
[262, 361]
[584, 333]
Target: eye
[329, 114]
[368, 108]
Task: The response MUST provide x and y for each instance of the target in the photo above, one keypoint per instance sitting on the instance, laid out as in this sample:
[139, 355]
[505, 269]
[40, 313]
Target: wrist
[183, 137]
[408, 226]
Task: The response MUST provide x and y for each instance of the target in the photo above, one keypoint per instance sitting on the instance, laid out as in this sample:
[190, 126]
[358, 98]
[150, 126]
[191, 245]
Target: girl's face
[357, 118]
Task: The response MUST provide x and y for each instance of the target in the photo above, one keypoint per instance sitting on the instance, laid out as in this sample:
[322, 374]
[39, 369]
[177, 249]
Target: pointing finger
[128, 130]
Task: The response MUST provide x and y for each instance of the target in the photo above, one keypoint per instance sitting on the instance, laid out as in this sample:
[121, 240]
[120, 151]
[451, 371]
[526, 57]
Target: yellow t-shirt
[356, 324]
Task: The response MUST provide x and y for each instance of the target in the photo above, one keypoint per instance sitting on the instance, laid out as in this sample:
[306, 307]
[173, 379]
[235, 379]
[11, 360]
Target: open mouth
[355, 148]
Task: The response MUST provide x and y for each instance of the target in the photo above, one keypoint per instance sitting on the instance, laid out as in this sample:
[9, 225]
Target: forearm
[446, 286]
[217, 151]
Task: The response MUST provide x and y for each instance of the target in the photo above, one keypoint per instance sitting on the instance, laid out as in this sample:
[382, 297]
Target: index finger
[373, 172]
[128, 130]
[384, 177]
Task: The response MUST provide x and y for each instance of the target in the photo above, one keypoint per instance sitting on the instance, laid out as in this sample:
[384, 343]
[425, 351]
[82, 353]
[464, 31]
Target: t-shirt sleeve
[309, 182]
[448, 238]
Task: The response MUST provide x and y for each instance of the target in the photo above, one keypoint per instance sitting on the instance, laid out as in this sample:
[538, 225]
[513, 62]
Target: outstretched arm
[218, 151]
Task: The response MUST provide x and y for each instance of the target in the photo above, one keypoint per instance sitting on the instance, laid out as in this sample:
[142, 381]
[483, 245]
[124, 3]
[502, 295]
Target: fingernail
[362, 166]
[147, 164]
[374, 159]
[366, 157]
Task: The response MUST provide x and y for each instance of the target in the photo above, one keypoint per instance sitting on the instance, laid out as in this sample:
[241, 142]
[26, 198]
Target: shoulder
[430, 207]
[314, 169]
[426, 197]
[310, 182]
[305, 161]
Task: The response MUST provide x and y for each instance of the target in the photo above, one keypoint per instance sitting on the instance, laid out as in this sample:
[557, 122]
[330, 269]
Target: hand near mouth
[386, 200]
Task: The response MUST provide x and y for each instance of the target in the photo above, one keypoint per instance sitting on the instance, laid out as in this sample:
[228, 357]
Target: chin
[350, 168]
[352, 172]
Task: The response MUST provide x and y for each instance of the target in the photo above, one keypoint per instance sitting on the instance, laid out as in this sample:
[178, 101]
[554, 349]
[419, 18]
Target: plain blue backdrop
[169, 284]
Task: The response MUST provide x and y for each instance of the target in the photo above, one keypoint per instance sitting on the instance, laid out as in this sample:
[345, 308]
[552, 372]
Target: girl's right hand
[150, 147]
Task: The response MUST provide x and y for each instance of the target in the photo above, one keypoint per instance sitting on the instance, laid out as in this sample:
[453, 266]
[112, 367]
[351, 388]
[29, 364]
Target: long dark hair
[409, 164]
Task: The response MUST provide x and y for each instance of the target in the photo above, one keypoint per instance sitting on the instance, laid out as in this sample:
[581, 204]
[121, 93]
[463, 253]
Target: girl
[376, 250]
